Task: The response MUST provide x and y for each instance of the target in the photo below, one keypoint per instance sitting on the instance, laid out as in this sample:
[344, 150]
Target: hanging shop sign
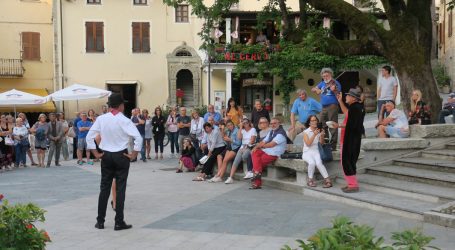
[229, 56]
[256, 82]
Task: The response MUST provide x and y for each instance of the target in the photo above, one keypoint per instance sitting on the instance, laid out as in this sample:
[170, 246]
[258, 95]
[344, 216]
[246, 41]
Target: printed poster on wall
[220, 100]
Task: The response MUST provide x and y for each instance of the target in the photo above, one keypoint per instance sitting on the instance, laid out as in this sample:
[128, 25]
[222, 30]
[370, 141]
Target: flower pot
[446, 89]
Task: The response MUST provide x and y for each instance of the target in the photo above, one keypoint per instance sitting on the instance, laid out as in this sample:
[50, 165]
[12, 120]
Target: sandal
[179, 171]
[253, 186]
[199, 178]
[256, 176]
[327, 183]
[311, 183]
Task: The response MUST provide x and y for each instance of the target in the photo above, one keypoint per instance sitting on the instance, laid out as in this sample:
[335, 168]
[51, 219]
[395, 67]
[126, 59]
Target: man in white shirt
[114, 129]
[387, 87]
[395, 125]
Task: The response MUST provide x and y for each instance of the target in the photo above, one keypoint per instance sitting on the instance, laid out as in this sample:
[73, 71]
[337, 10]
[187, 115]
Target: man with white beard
[328, 89]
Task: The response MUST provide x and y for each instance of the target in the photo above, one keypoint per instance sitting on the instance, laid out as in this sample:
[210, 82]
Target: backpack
[40, 134]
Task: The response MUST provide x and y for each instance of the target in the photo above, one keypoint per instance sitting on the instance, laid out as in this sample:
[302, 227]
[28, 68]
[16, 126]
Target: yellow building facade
[26, 49]
[147, 51]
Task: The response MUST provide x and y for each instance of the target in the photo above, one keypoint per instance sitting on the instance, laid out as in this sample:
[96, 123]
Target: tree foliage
[406, 42]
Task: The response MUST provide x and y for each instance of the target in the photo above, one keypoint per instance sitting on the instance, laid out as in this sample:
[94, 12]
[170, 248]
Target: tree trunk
[422, 80]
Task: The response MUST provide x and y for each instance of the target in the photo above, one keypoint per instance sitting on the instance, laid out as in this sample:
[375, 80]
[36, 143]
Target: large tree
[407, 44]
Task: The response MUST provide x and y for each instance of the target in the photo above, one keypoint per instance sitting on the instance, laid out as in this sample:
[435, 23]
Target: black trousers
[113, 165]
[210, 163]
[74, 147]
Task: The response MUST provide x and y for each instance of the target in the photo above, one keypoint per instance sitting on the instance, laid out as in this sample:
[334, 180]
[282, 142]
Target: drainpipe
[58, 52]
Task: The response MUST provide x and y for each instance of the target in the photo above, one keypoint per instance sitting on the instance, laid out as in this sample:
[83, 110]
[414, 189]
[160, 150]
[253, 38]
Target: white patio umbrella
[79, 92]
[15, 97]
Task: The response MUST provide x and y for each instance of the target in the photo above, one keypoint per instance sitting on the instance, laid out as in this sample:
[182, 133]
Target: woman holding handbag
[196, 129]
[312, 136]
[21, 143]
[40, 129]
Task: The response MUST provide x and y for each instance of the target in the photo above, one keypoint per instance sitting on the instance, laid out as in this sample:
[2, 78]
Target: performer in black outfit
[114, 129]
[351, 136]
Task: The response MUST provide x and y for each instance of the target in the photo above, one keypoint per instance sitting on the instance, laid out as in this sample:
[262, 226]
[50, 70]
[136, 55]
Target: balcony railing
[11, 68]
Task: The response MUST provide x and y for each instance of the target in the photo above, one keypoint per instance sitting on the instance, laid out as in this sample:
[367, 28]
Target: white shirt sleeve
[395, 82]
[130, 129]
[394, 114]
[279, 139]
[92, 133]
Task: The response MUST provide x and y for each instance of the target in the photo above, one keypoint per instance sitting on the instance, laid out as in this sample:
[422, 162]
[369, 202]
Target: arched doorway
[184, 69]
[185, 83]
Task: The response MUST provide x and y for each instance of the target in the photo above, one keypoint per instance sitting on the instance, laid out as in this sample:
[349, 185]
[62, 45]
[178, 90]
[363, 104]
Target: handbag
[71, 133]
[204, 159]
[9, 141]
[24, 142]
[325, 151]
[291, 155]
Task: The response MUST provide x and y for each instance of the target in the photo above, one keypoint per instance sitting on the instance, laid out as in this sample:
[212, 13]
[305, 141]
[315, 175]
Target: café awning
[45, 108]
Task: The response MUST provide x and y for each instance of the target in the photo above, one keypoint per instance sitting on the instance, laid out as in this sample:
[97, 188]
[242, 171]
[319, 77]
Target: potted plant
[442, 78]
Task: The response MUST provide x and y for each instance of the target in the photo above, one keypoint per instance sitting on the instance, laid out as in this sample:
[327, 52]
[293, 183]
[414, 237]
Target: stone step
[414, 175]
[440, 154]
[415, 190]
[427, 163]
[451, 146]
[375, 200]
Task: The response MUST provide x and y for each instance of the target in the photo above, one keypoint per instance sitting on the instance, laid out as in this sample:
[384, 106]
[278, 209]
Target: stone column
[173, 89]
[196, 91]
[228, 83]
[209, 87]
[228, 30]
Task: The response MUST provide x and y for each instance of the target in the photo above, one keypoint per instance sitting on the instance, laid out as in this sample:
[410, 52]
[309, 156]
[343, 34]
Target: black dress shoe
[122, 226]
[99, 225]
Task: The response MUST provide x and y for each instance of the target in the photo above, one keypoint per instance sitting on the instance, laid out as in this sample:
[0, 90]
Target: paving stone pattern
[169, 211]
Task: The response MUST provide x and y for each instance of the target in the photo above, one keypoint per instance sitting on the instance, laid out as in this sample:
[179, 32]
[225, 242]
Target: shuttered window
[140, 2]
[141, 37]
[94, 39]
[181, 14]
[93, 1]
[31, 46]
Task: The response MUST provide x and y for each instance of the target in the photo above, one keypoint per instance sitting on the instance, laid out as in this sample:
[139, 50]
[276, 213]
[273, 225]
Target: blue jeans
[143, 156]
[444, 113]
[174, 139]
[21, 153]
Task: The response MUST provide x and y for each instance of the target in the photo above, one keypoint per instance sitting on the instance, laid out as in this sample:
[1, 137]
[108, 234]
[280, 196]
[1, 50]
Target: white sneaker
[248, 175]
[229, 181]
[217, 179]
[171, 156]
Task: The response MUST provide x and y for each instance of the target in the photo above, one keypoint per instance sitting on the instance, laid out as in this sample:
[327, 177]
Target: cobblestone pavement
[169, 211]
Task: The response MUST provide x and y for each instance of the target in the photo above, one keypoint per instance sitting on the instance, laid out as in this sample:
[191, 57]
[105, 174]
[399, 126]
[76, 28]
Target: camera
[319, 125]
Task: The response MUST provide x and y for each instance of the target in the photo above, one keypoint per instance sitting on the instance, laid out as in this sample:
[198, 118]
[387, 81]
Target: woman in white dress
[311, 137]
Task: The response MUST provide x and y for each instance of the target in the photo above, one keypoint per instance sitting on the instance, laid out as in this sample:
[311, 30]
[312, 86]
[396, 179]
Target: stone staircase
[416, 186]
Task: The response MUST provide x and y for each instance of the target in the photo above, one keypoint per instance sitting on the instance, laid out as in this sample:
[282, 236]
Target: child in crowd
[186, 160]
